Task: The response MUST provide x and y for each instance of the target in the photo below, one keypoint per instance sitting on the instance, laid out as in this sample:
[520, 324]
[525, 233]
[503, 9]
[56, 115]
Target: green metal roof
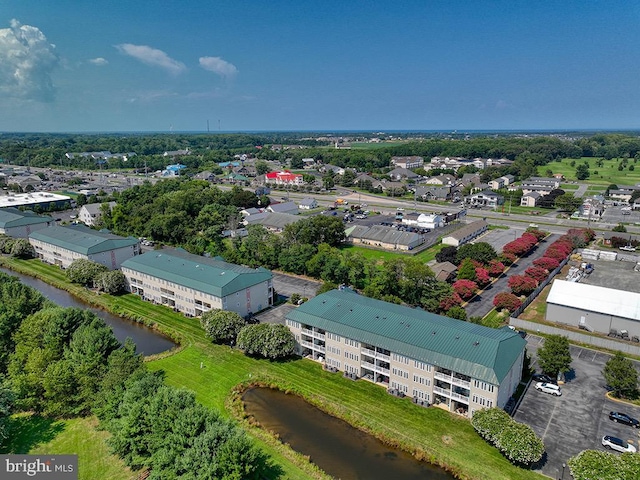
[209, 275]
[82, 239]
[12, 217]
[482, 353]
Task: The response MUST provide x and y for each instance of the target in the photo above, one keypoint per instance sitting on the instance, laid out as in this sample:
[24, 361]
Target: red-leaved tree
[547, 263]
[465, 288]
[537, 273]
[495, 268]
[522, 285]
[450, 301]
[506, 300]
[482, 276]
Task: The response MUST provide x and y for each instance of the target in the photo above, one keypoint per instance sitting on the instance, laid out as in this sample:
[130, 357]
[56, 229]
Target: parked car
[617, 444]
[623, 418]
[541, 377]
[549, 388]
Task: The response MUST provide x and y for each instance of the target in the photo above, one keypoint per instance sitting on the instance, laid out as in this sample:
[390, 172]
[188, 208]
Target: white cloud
[219, 66]
[152, 57]
[99, 61]
[27, 60]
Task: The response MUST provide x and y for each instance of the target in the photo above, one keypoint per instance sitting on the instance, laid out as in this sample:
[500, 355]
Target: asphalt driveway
[578, 419]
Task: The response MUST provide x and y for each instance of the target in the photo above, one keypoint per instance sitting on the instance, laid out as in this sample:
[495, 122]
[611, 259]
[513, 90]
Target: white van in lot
[549, 388]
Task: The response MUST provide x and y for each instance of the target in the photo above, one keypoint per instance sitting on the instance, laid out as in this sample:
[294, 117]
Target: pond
[336, 447]
[147, 340]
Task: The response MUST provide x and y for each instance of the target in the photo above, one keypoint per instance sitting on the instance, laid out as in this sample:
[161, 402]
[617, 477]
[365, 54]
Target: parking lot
[578, 419]
[616, 214]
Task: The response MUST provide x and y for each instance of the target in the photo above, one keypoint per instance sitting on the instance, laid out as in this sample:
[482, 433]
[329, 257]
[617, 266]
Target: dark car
[541, 377]
[619, 417]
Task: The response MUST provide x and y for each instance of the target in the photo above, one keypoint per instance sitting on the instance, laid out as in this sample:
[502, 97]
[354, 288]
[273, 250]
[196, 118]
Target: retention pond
[147, 340]
[336, 447]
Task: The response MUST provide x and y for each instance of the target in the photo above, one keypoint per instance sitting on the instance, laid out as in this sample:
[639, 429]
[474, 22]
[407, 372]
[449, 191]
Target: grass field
[369, 253]
[37, 435]
[433, 434]
[606, 175]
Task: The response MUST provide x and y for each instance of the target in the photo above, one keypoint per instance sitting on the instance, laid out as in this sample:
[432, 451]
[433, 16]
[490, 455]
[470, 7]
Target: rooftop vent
[433, 333]
[475, 344]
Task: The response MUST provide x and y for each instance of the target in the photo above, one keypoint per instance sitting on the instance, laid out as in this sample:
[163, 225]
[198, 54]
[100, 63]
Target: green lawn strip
[79, 436]
[435, 435]
[607, 174]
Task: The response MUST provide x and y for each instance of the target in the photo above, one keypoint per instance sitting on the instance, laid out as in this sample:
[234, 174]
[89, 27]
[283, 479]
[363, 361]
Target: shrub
[507, 300]
[537, 273]
[112, 282]
[482, 276]
[522, 285]
[516, 441]
[547, 263]
[495, 268]
[465, 288]
[265, 340]
[222, 326]
[590, 464]
[84, 271]
[450, 301]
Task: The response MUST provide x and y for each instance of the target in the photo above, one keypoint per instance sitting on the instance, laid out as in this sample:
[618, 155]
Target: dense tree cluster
[266, 340]
[222, 326]
[517, 441]
[65, 362]
[85, 272]
[591, 464]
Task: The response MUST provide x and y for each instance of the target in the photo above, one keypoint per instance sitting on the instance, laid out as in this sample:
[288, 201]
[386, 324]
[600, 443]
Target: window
[399, 372]
[485, 402]
[421, 380]
[399, 386]
[421, 394]
[400, 359]
[483, 385]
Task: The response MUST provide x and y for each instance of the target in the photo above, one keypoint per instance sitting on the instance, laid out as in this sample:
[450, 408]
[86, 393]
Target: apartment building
[459, 366]
[192, 284]
[62, 245]
[19, 224]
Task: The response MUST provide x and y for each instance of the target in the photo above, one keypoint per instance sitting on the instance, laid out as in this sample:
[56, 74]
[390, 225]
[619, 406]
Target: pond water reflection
[148, 341]
[339, 449]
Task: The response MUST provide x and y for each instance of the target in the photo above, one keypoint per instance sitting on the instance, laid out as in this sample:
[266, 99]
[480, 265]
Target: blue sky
[141, 65]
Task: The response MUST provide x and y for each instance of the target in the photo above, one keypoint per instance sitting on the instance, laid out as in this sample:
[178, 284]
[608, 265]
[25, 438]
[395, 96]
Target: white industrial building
[593, 308]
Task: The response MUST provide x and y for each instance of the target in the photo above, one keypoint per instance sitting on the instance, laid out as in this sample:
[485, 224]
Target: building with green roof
[193, 284]
[62, 245]
[18, 224]
[456, 365]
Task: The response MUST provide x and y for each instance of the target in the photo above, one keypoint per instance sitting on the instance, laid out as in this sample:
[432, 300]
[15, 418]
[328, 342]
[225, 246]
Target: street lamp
[563, 467]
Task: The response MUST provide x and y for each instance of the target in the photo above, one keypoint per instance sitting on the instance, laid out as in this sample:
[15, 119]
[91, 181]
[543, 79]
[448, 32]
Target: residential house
[363, 178]
[485, 198]
[548, 183]
[407, 162]
[433, 192]
[308, 204]
[466, 233]
[285, 207]
[90, 213]
[444, 271]
[272, 221]
[20, 224]
[399, 174]
[530, 199]
[442, 180]
[62, 245]
[460, 366]
[193, 284]
[328, 168]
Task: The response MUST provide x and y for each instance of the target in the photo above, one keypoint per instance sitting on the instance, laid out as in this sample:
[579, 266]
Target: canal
[148, 341]
[333, 445]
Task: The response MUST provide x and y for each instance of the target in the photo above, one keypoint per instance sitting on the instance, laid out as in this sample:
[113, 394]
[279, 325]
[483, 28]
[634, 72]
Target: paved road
[482, 304]
[578, 419]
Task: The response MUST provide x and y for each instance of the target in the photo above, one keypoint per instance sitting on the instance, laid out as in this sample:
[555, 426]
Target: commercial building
[459, 366]
[466, 233]
[44, 200]
[192, 284]
[62, 245]
[593, 308]
[19, 224]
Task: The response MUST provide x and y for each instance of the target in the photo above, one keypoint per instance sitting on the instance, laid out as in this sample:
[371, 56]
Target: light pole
[563, 467]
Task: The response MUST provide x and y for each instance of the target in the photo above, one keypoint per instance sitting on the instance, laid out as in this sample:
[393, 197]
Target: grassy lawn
[380, 255]
[432, 434]
[606, 175]
[37, 435]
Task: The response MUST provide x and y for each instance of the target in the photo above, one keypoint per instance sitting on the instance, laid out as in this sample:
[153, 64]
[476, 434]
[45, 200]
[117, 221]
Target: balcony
[375, 354]
[442, 391]
[311, 333]
[452, 379]
[312, 346]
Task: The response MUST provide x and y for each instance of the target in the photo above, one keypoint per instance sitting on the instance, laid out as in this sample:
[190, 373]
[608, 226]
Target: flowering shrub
[539, 234]
[465, 288]
[482, 276]
[495, 268]
[450, 301]
[517, 441]
[590, 464]
[522, 285]
[507, 300]
[547, 263]
[537, 273]
[507, 258]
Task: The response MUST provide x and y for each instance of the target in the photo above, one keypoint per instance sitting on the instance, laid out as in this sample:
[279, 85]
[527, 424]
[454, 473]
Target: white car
[617, 444]
[549, 388]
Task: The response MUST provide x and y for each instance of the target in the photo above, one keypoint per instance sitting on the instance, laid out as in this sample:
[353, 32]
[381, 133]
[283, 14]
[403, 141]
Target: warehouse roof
[209, 275]
[82, 239]
[12, 217]
[383, 234]
[609, 301]
[483, 353]
[469, 229]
